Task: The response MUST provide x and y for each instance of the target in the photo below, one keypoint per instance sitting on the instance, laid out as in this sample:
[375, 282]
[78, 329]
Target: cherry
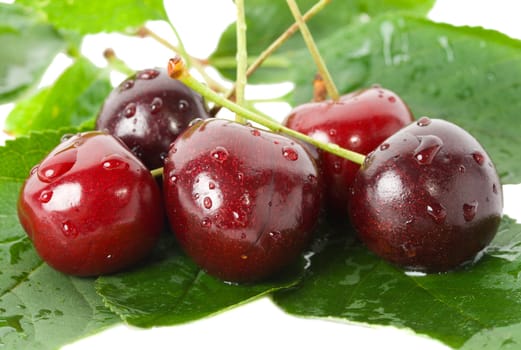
[241, 201]
[91, 207]
[148, 111]
[428, 198]
[358, 121]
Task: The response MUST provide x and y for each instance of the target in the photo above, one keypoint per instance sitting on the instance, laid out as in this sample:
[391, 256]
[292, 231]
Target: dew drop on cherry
[194, 121]
[428, 148]
[156, 105]
[57, 166]
[207, 202]
[69, 230]
[479, 158]
[462, 169]
[148, 74]
[114, 162]
[289, 153]
[220, 154]
[206, 222]
[45, 196]
[384, 146]
[34, 169]
[66, 137]
[470, 210]
[494, 189]
[126, 85]
[423, 121]
[130, 110]
[437, 212]
[391, 99]
[211, 185]
[183, 105]
[255, 132]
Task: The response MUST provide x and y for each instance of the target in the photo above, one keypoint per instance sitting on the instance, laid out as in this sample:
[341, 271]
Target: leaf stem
[242, 58]
[313, 49]
[177, 70]
[274, 46]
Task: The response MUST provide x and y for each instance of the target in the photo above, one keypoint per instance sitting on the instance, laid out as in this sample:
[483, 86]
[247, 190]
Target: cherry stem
[157, 172]
[275, 45]
[313, 49]
[242, 58]
[116, 63]
[196, 63]
[177, 70]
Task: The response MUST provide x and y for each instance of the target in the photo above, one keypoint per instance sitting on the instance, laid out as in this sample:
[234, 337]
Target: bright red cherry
[148, 111]
[428, 198]
[91, 207]
[358, 121]
[241, 201]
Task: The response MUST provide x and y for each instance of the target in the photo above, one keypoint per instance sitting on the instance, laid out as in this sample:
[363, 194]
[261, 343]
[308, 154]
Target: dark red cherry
[148, 111]
[91, 207]
[242, 202]
[428, 199]
[358, 121]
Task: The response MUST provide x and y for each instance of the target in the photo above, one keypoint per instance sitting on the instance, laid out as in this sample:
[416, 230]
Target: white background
[260, 324]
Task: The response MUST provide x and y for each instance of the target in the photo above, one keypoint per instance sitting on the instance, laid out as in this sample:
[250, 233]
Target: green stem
[157, 172]
[116, 63]
[242, 57]
[177, 70]
[313, 49]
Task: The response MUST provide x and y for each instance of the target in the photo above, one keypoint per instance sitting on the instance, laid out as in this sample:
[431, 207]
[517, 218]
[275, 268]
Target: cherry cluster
[242, 201]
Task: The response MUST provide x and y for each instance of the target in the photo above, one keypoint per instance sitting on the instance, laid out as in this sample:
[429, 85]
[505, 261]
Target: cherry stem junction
[313, 49]
[177, 70]
[274, 46]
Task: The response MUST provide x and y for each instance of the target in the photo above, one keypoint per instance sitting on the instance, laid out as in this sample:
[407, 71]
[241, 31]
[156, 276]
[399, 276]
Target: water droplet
[312, 179]
[69, 230]
[66, 137]
[147, 74]
[479, 158]
[114, 162]
[58, 165]
[332, 132]
[289, 153]
[244, 256]
[194, 121]
[156, 105]
[207, 202]
[255, 132]
[137, 151]
[462, 169]
[243, 235]
[246, 199]
[470, 210]
[127, 84]
[130, 110]
[173, 179]
[240, 177]
[391, 99]
[34, 169]
[206, 222]
[220, 154]
[494, 188]
[211, 185]
[384, 146]
[235, 215]
[45, 196]
[163, 156]
[183, 105]
[274, 234]
[428, 148]
[270, 203]
[423, 121]
[437, 212]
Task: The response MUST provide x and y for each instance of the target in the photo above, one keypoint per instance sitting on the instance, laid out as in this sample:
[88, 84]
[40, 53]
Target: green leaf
[267, 20]
[469, 76]
[479, 304]
[28, 47]
[74, 99]
[40, 308]
[173, 290]
[88, 17]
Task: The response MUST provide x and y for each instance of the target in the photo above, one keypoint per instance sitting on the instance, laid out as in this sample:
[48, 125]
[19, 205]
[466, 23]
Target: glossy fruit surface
[428, 199]
[91, 207]
[242, 202]
[148, 111]
[359, 121]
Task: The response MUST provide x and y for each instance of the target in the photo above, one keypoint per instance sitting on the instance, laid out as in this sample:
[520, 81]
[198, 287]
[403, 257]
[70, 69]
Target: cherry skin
[148, 111]
[91, 207]
[358, 121]
[242, 202]
[428, 198]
